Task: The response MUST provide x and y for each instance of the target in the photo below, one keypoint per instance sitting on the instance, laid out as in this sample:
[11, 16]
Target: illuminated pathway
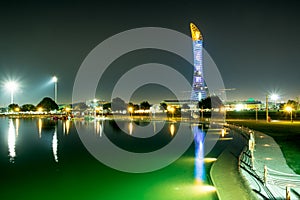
[225, 174]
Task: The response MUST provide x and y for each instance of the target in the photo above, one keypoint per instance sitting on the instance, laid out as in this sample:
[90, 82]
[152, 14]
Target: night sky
[255, 44]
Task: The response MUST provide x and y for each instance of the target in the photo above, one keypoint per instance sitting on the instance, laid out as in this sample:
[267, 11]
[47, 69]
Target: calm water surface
[45, 159]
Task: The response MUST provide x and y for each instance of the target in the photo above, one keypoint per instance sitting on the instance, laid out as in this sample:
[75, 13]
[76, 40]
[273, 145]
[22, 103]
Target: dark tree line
[47, 104]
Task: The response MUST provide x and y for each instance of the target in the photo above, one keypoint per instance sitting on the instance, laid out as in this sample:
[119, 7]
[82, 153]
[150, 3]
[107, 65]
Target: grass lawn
[285, 133]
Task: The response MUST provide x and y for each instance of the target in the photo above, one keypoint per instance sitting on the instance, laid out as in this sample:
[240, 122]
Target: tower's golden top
[196, 34]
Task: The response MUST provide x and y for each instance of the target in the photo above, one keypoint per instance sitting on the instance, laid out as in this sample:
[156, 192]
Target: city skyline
[254, 45]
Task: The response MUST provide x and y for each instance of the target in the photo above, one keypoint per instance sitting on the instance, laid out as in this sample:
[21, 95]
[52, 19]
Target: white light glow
[54, 79]
[274, 97]
[239, 107]
[11, 86]
[11, 140]
[54, 145]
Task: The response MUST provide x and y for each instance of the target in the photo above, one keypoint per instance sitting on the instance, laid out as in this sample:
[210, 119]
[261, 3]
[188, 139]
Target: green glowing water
[38, 164]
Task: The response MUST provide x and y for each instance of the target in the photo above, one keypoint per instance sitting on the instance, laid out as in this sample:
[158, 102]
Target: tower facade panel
[199, 90]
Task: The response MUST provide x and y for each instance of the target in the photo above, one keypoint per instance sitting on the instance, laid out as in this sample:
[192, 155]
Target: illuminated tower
[199, 87]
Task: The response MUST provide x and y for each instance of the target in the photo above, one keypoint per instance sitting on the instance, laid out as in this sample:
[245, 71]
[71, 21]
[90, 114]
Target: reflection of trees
[46, 124]
[141, 123]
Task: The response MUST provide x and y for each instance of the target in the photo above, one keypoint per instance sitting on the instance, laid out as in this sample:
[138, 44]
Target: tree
[118, 104]
[13, 107]
[106, 106]
[47, 104]
[292, 103]
[136, 107]
[145, 105]
[164, 105]
[28, 107]
[210, 102]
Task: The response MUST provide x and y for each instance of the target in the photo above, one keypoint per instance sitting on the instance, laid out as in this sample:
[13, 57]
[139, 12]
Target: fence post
[287, 193]
[265, 175]
[251, 148]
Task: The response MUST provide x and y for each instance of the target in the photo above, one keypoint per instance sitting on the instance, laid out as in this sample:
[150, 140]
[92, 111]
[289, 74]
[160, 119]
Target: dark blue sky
[255, 44]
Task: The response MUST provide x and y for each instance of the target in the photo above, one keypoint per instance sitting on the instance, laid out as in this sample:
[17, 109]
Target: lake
[45, 159]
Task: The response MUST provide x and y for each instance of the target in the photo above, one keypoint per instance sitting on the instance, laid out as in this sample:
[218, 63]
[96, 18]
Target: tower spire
[199, 87]
[196, 34]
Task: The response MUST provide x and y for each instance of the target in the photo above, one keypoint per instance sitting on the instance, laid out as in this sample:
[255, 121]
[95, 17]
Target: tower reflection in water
[199, 136]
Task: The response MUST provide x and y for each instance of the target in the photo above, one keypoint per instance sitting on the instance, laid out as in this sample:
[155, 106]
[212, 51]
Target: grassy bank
[285, 133]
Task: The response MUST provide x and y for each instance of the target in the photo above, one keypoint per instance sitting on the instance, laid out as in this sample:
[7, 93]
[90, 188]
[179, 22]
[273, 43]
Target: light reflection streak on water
[55, 144]
[17, 126]
[172, 129]
[66, 127]
[199, 154]
[40, 125]
[101, 128]
[130, 127]
[11, 140]
[154, 127]
[98, 126]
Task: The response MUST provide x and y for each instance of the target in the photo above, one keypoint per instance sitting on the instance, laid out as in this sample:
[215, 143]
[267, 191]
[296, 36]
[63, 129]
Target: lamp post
[12, 86]
[130, 110]
[54, 80]
[267, 110]
[290, 110]
[172, 110]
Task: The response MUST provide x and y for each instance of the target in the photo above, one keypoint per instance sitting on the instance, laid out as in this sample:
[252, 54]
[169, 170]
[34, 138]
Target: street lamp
[54, 80]
[290, 110]
[274, 97]
[171, 109]
[12, 86]
[130, 110]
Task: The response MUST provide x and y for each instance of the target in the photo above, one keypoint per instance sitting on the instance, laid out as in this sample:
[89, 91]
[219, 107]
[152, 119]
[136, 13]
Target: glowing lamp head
[11, 86]
[54, 79]
[288, 109]
[130, 109]
[40, 109]
[274, 97]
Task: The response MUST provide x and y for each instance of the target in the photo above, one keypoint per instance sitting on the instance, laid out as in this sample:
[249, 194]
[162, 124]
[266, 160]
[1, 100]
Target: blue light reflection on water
[199, 136]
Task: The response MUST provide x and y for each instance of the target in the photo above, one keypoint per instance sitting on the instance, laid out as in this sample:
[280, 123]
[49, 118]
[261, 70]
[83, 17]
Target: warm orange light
[289, 108]
[171, 109]
[130, 109]
[172, 129]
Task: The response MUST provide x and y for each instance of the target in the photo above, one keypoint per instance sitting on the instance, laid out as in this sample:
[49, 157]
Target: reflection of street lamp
[54, 80]
[12, 86]
[290, 110]
[130, 110]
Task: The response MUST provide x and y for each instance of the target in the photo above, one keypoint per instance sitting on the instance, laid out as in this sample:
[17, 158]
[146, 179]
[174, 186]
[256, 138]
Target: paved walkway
[225, 173]
[248, 183]
[268, 153]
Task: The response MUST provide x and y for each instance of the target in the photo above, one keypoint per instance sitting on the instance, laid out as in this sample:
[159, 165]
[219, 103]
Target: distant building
[179, 104]
[249, 104]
